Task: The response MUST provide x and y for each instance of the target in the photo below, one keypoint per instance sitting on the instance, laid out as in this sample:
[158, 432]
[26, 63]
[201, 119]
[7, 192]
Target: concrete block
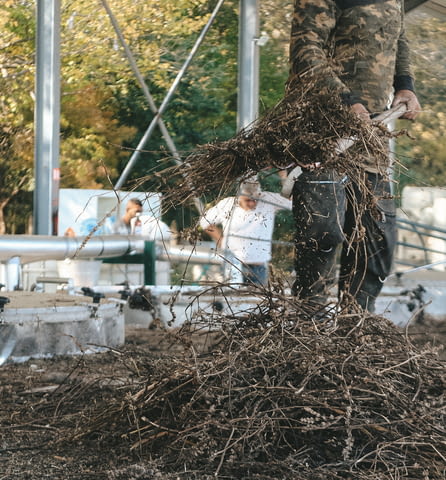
[82, 327]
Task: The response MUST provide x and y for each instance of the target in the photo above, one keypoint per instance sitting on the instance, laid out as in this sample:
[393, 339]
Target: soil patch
[263, 398]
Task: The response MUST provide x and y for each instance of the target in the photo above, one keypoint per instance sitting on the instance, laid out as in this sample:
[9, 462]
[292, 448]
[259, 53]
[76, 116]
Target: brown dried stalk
[286, 396]
[302, 129]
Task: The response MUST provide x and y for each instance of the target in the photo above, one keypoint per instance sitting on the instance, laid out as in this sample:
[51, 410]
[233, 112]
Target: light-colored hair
[250, 188]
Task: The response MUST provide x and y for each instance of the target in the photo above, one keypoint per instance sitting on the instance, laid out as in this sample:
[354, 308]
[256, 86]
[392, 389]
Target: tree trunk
[2, 217]
[3, 205]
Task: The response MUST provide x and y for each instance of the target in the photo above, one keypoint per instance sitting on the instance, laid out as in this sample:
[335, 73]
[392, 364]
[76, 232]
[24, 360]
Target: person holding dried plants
[357, 50]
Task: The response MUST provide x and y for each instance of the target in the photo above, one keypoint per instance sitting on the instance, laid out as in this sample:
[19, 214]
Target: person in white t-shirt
[133, 209]
[243, 226]
[135, 222]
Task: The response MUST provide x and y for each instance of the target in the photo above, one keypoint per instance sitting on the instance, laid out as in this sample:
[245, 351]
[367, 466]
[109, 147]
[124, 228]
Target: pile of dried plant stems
[283, 393]
[283, 396]
[303, 128]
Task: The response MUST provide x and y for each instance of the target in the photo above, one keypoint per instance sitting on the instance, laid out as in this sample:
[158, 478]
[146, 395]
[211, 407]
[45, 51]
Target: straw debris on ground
[283, 396]
[283, 392]
[277, 394]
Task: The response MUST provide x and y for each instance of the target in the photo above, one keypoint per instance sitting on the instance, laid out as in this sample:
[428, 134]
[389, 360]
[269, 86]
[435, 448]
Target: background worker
[358, 50]
[133, 209]
[135, 222]
[243, 226]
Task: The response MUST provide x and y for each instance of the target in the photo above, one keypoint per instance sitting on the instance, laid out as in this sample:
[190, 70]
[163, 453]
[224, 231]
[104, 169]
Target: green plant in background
[104, 113]
[423, 155]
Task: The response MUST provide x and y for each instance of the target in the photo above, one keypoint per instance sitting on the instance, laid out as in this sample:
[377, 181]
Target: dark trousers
[329, 210]
[255, 274]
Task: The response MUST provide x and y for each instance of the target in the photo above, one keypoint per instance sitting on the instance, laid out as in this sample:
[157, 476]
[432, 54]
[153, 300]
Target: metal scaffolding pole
[248, 62]
[166, 100]
[47, 113]
[162, 126]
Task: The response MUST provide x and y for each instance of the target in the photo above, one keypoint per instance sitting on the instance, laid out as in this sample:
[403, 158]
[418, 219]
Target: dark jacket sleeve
[404, 79]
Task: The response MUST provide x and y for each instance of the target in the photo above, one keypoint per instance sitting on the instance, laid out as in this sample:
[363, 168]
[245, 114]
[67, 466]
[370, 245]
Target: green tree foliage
[158, 34]
[90, 140]
[16, 171]
[423, 154]
[87, 122]
[16, 106]
[104, 112]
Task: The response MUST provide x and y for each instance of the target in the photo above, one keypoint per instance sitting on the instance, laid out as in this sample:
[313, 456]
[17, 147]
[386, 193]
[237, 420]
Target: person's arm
[277, 200]
[404, 80]
[312, 25]
[211, 219]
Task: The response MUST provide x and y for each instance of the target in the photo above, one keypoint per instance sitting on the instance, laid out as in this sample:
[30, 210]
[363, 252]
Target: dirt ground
[38, 401]
[32, 444]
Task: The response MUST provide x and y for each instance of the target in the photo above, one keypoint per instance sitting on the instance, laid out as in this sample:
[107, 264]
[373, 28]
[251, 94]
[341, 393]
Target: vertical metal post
[47, 114]
[157, 118]
[248, 61]
[149, 257]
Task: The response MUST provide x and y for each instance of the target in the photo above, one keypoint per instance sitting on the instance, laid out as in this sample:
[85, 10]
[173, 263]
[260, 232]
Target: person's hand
[216, 234]
[362, 112]
[410, 99]
[283, 175]
[133, 211]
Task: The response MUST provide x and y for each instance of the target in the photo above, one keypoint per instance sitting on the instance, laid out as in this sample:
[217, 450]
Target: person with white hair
[242, 226]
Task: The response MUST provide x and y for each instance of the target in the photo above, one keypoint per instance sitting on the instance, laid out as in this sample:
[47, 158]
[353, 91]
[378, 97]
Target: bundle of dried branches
[286, 396]
[303, 128]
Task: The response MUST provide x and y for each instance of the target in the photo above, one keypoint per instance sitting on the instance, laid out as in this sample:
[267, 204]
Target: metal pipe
[189, 254]
[166, 100]
[32, 248]
[248, 74]
[417, 269]
[47, 112]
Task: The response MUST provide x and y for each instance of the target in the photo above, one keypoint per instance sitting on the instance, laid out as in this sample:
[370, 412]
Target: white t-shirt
[151, 228]
[247, 233]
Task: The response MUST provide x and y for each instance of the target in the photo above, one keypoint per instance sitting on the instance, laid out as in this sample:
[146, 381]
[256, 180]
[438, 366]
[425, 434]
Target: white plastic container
[85, 273]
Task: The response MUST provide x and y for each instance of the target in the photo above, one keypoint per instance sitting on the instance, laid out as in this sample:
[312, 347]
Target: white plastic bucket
[85, 273]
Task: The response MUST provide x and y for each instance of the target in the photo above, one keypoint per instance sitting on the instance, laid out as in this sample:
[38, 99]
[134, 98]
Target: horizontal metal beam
[33, 248]
[189, 254]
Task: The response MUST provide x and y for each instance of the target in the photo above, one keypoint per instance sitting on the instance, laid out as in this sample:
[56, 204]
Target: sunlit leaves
[425, 154]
